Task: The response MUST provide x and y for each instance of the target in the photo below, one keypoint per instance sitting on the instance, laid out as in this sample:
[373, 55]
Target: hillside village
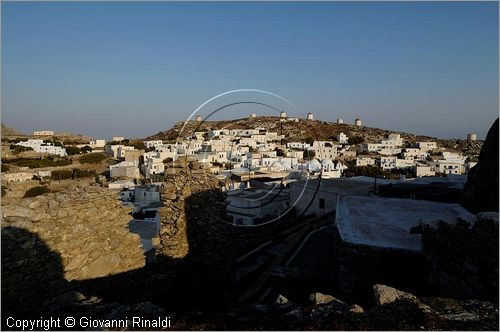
[366, 196]
[250, 157]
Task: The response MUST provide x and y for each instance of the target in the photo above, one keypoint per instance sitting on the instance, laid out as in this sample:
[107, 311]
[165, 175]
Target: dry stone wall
[76, 234]
[194, 242]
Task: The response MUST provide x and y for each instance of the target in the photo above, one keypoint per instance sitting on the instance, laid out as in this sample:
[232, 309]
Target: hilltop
[318, 130]
[12, 133]
[7, 131]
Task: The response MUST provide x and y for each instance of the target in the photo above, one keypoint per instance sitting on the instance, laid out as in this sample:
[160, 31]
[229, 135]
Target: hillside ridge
[317, 129]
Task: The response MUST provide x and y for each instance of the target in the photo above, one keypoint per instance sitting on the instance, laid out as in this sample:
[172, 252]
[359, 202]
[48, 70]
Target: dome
[286, 164]
[327, 164]
[314, 165]
[276, 166]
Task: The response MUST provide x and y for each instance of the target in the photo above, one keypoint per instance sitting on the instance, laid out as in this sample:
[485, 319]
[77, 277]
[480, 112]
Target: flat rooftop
[386, 222]
[337, 185]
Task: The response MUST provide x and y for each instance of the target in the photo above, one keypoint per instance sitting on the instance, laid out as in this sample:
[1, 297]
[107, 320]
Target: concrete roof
[386, 222]
[337, 185]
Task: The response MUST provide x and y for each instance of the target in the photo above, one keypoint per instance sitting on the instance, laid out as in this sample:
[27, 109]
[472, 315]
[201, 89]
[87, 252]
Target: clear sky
[133, 69]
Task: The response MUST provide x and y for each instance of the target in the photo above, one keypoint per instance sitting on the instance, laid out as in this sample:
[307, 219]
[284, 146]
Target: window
[322, 203]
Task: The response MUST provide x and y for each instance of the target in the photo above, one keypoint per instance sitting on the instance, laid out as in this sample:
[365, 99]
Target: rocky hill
[302, 129]
[7, 131]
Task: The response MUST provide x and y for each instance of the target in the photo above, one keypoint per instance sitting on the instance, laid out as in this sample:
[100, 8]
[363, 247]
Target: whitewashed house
[298, 145]
[153, 144]
[17, 176]
[39, 146]
[427, 146]
[370, 147]
[97, 143]
[388, 162]
[342, 138]
[365, 161]
[124, 169]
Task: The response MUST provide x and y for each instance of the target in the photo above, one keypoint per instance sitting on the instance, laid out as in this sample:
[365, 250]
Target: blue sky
[134, 69]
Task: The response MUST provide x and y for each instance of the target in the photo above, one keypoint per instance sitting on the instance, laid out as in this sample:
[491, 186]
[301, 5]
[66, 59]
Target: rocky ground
[392, 310]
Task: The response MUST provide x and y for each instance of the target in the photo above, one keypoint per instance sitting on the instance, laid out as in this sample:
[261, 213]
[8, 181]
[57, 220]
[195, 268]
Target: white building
[121, 184]
[388, 162]
[153, 166]
[152, 144]
[17, 176]
[297, 145]
[146, 194]
[118, 138]
[342, 138]
[117, 151]
[427, 146]
[415, 153]
[405, 163]
[365, 161]
[357, 122]
[43, 133]
[389, 151]
[249, 207]
[44, 174]
[319, 196]
[447, 166]
[471, 137]
[310, 116]
[423, 170]
[125, 169]
[323, 152]
[97, 144]
[370, 147]
[39, 146]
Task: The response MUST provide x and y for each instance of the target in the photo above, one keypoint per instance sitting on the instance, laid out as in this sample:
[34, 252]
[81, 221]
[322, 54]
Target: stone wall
[194, 241]
[75, 234]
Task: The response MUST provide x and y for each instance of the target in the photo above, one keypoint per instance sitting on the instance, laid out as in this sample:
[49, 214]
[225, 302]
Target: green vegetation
[86, 149]
[72, 150]
[76, 173]
[356, 140]
[82, 173]
[251, 149]
[309, 154]
[92, 158]
[139, 145]
[46, 162]
[36, 191]
[5, 168]
[309, 140]
[20, 139]
[62, 174]
[369, 170]
[18, 148]
[167, 160]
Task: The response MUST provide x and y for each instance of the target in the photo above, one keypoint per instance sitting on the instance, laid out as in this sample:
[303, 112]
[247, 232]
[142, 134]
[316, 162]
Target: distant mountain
[7, 131]
[318, 130]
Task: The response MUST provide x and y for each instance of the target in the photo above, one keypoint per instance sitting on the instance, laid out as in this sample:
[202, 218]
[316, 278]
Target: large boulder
[481, 189]
[385, 294]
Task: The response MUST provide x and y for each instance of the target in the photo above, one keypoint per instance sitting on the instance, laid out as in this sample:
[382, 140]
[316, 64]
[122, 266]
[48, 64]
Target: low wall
[70, 235]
